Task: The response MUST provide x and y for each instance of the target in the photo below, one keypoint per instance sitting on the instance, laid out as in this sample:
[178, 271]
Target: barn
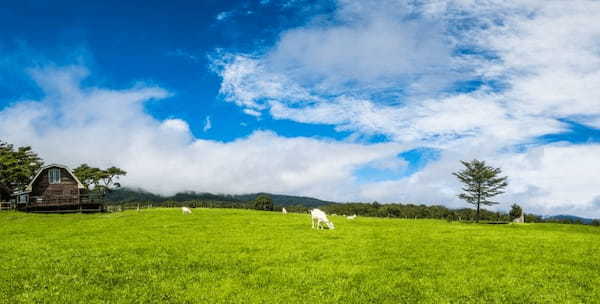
[56, 189]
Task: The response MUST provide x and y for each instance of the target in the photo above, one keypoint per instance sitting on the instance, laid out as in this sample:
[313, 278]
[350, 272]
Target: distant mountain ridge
[567, 217]
[139, 195]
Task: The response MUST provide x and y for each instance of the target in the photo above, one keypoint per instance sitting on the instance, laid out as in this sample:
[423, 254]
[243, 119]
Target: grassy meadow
[245, 256]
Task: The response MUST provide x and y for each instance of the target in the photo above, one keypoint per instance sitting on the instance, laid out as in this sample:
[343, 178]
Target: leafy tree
[263, 202]
[89, 176]
[17, 168]
[481, 182]
[110, 175]
[97, 179]
[515, 211]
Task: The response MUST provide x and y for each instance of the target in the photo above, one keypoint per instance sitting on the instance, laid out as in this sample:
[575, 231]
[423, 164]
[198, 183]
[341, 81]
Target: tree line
[374, 209]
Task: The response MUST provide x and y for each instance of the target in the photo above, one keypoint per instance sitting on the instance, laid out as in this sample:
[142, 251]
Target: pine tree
[481, 182]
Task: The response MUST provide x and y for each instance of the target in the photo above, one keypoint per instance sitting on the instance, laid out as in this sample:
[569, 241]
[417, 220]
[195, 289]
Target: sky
[342, 100]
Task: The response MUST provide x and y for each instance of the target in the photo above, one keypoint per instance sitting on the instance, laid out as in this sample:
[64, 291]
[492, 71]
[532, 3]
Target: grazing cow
[320, 217]
[186, 210]
[351, 217]
[283, 211]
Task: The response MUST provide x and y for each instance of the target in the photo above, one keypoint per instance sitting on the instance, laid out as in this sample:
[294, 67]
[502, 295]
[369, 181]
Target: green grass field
[244, 256]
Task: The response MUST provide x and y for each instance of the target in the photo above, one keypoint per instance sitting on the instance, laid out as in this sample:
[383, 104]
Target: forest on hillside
[300, 204]
[125, 195]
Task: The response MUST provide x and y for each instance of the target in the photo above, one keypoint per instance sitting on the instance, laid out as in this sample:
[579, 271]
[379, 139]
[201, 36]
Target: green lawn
[243, 256]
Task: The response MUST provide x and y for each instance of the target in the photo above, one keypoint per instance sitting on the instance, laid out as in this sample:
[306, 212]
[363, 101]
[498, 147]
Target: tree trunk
[478, 203]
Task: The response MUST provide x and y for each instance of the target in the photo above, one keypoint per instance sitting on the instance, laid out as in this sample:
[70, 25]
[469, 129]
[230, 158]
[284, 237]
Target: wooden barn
[56, 189]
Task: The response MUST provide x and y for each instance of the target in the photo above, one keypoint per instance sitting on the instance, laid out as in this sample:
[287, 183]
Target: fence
[119, 207]
[149, 205]
[6, 206]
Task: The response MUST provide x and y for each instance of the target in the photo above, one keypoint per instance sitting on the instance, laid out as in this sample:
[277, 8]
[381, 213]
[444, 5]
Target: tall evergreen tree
[481, 182]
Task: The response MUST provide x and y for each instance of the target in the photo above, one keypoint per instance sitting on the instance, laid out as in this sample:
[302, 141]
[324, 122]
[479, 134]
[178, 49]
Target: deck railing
[62, 201]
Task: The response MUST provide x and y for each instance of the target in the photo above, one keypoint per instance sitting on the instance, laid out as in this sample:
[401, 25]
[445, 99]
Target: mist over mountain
[124, 195]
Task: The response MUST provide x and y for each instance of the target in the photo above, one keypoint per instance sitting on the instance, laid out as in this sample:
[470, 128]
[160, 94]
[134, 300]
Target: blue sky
[150, 41]
[344, 100]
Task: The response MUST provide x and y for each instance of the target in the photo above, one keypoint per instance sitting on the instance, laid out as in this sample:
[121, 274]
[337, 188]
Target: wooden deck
[64, 205]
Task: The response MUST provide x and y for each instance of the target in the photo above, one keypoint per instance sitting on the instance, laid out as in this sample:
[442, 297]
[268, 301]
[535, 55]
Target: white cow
[351, 217]
[186, 210]
[320, 217]
[283, 211]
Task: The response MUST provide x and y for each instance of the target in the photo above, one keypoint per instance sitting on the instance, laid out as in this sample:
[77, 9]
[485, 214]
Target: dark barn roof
[29, 187]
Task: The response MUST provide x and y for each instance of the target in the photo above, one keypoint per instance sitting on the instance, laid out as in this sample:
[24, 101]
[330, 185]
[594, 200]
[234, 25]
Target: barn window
[54, 176]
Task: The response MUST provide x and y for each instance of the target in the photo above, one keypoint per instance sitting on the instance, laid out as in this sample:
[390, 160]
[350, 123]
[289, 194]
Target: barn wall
[66, 189]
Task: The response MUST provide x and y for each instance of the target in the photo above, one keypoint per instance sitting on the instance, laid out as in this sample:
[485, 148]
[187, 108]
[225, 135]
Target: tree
[109, 177]
[17, 168]
[481, 182]
[89, 176]
[263, 202]
[515, 211]
[101, 180]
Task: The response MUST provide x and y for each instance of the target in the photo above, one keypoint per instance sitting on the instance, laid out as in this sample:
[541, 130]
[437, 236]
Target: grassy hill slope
[245, 256]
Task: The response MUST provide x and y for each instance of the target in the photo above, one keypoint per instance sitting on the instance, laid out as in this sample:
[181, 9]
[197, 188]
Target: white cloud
[103, 127]
[207, 124]
[252, 112]
[377, 52]
[242, 86]
[176, 125]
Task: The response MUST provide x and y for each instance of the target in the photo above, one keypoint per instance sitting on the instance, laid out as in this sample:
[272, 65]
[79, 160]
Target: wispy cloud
[252, 112]
[223, 15]
[207, 124]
